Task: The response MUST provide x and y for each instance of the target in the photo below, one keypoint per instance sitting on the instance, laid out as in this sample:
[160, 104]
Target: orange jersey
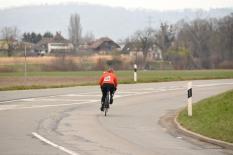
[108, 78]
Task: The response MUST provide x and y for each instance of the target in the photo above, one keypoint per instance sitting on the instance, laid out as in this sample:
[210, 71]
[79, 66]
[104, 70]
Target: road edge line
[41, 138]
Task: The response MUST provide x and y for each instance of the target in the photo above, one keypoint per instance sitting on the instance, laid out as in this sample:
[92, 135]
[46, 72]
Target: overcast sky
[131, 4]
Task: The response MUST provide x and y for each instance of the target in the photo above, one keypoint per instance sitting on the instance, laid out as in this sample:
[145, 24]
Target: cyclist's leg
[104, 93]
[112, 91]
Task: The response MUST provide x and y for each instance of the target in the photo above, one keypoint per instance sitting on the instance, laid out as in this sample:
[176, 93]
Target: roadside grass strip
[212, 117]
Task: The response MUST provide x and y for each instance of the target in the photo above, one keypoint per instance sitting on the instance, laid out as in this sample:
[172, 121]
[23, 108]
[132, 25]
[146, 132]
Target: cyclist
[108, 81]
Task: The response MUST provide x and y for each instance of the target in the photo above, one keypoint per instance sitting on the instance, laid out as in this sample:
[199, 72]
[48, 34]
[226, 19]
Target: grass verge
[212, 117]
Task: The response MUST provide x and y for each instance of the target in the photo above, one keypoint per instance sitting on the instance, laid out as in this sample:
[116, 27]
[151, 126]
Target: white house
[55, 44]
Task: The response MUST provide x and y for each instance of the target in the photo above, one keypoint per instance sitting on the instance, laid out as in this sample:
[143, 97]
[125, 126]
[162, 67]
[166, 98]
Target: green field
[15, 80]
[212, 117]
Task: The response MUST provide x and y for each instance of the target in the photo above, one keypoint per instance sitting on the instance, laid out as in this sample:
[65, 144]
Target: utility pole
[25, 64]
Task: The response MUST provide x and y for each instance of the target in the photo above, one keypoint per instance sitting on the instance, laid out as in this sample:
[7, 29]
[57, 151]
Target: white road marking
[70, 95]
[175, 89]
[89, 93]
[6, 107]
[15, 107]
[54, 99]
[11, 101]
[213, 84]
[74, 95]
[28, 99]
[53, 144]
[149, 89]
[129, 92]
[39, 99]
[119, 95]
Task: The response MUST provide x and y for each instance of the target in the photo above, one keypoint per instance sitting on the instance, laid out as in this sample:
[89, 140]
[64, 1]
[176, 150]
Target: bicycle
[106, 102]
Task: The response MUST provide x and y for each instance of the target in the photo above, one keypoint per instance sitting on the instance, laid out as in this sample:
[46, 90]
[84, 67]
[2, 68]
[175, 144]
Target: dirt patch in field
[30, 60]
[66, 63]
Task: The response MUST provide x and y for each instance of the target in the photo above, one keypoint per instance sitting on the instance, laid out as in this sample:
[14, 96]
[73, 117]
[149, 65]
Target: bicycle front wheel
[105, 111]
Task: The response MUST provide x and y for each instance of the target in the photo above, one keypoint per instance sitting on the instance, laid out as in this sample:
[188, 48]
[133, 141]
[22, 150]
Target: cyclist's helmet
[110, 70]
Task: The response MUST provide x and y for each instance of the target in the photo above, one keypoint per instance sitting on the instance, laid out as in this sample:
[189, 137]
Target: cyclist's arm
[115, 82]
[101, 80]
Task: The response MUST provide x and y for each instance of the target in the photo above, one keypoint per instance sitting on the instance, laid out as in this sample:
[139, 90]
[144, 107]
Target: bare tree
[226, 35]
[143, 41]
[164, 38]
[75, 30]
[88, 37]
[197, 37]
[150, 38]
[200, 43]
[9, 34]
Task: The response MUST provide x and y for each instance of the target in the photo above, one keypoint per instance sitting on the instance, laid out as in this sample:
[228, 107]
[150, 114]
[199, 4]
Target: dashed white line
[43, 139]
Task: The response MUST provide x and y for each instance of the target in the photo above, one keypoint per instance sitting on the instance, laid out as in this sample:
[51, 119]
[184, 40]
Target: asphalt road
[68, 120]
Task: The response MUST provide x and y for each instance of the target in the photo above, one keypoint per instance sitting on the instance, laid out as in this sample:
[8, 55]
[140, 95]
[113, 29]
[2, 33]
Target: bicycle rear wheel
[106, 103]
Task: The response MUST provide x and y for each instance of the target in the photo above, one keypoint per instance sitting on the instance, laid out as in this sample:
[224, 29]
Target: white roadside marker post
[190, 99]
[135, 72]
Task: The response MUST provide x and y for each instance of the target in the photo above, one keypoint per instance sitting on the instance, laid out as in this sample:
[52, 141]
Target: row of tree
[199, 44]
[208, 42]
[12, 34]
[74, 31]
[35, 38]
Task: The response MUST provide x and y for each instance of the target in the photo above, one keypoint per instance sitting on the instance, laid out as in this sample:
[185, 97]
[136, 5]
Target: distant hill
[114, 22]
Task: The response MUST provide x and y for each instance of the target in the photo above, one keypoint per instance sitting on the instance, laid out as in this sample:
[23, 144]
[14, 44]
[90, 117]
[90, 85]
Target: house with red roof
[103, 45]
